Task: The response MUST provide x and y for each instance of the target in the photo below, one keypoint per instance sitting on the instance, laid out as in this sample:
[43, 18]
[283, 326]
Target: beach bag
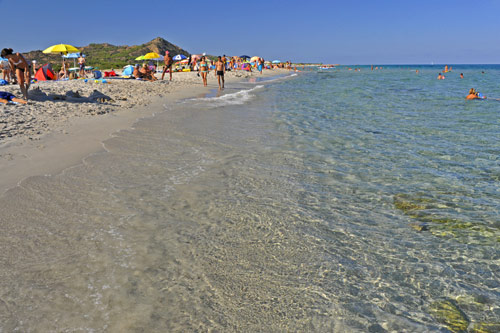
[97, 74]
[3, 82]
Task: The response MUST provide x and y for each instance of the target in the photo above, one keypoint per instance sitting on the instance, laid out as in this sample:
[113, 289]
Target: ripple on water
[343, 201]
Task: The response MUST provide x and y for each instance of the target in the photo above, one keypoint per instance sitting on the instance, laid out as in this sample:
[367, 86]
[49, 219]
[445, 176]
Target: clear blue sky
[346, 32]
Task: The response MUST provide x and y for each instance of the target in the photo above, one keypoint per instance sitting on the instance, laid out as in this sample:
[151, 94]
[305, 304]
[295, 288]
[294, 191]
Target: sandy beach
[67, 120]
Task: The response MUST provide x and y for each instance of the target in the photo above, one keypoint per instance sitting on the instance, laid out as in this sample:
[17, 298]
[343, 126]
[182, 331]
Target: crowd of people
[203, 65]
[473, 93]
[18, 70]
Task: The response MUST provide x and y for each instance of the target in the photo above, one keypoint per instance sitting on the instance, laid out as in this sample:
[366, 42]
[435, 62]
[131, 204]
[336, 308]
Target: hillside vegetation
[107, 56]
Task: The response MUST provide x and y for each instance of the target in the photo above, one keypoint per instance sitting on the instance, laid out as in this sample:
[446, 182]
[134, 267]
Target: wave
[237, 98]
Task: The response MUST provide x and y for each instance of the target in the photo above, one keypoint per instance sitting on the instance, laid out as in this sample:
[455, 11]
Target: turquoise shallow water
[329, 201]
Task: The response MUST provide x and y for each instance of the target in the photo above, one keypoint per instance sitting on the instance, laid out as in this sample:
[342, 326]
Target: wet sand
[67, 120]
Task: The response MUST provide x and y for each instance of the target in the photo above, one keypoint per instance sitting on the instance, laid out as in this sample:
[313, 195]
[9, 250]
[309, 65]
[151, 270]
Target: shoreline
[67, 141]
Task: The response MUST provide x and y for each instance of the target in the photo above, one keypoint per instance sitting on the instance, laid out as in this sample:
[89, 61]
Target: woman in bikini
[21, 68]
[203, 70]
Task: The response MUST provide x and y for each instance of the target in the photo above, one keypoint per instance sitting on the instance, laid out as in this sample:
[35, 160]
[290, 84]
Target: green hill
[107, 56]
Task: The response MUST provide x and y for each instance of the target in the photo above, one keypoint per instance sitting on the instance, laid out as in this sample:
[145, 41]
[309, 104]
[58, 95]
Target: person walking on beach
[220, 69]
[21, 68]
[168, 65]
[81, 64]
[203, 66]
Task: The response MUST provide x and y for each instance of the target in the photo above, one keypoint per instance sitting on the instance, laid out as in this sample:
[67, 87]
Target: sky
[344, 32]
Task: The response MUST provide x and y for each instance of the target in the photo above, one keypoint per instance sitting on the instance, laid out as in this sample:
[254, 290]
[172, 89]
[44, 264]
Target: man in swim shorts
[168, 65]
[81, 63]
[220, 69]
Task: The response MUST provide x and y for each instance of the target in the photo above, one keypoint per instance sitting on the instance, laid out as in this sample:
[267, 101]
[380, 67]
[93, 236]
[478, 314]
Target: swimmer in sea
[440, 76]
[461, 75]
[473, 94]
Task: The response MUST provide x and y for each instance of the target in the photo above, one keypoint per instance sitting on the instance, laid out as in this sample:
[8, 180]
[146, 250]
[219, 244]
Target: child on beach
[21, 68]
[5, 67]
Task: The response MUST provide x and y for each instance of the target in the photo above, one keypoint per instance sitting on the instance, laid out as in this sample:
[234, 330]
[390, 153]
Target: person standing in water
[261, 65]
[20, 67]
[220, 69]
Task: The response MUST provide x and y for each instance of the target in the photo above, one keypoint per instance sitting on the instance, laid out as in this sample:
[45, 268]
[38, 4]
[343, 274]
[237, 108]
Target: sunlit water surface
[331, 201]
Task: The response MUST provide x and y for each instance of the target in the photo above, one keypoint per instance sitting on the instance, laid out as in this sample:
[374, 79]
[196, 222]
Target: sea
[335, 200]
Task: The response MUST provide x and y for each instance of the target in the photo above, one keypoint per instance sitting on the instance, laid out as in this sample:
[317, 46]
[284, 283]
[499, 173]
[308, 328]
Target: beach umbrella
[140, 58]
[61, 48]
[254, 59]
[196, 57]
[276, 61]
[244, 57]
[151, 55]
[179, 57]
[159, 58]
